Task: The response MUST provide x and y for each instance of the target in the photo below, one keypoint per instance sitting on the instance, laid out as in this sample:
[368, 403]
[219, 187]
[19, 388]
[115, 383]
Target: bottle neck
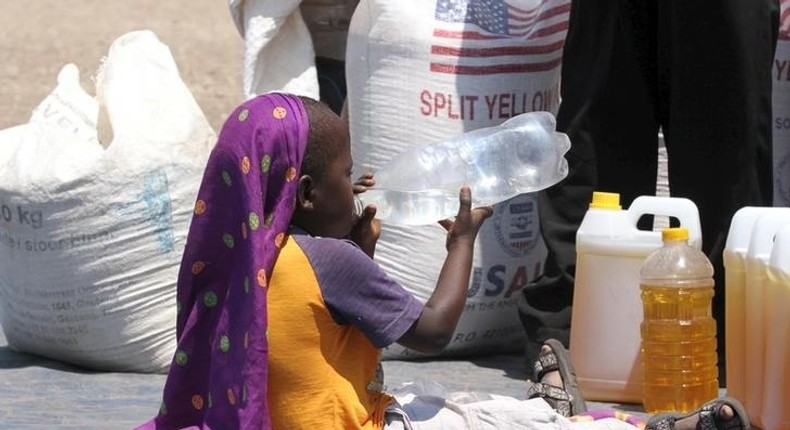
[359, 204]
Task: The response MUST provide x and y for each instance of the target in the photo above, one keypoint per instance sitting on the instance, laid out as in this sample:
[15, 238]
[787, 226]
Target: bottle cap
[675, 234]
[601, 200]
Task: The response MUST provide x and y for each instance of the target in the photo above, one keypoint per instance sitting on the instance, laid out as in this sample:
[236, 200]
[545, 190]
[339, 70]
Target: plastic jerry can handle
[681, 208]
[764, 232]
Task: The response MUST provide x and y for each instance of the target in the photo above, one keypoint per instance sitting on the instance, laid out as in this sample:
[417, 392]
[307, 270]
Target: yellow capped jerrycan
[758, 258]
[739, 237]
[605, 337]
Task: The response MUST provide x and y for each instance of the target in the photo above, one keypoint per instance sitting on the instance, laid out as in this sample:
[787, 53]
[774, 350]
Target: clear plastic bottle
[679, 371]
[420, 185]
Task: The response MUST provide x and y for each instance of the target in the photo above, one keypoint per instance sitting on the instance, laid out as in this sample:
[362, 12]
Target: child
[282, 311]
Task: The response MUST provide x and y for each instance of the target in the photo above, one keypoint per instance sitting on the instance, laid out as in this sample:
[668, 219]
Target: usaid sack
[91, 237]
[781, 110]
[422, 71]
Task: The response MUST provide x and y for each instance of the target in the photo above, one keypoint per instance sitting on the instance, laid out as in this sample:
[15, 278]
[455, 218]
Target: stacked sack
[423, 71]
[91, 235]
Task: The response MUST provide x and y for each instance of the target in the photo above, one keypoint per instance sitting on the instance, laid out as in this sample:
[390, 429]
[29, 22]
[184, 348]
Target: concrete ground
[38, 393]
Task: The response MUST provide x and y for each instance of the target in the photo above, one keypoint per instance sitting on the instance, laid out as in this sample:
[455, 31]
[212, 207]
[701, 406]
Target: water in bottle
[679, 361]
[420, 185]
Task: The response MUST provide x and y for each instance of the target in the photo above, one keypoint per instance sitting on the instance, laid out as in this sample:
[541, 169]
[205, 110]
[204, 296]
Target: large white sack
[419, 71]
[781, 110]
[282, 38]
[278, 50]
[91, 238]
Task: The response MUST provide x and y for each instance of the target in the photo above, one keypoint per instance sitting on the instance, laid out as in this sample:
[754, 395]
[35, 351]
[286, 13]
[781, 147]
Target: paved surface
[37, 393]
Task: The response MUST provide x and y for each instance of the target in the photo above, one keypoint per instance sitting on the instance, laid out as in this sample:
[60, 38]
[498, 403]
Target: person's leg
[716, 61]
[558, 387]
[607, 111]
[331, 82]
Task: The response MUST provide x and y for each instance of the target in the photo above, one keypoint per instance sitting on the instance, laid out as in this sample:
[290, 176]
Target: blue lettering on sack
[477, 279]
[157, 208]
[501, 283]
[157, 199]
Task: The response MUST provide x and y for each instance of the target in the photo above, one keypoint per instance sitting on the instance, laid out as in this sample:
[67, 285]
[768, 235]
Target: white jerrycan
[605, 337]
[738, 239]
[776, 384]
[757, 259]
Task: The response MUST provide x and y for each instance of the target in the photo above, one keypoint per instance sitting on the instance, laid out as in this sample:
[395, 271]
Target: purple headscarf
[218, 376]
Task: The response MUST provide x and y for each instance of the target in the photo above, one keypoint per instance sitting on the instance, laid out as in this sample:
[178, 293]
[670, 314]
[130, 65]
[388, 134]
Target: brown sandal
[708, 417]
[567, 401]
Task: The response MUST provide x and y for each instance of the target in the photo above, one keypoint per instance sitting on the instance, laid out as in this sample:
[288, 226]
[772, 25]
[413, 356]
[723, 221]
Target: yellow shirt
[322, 374]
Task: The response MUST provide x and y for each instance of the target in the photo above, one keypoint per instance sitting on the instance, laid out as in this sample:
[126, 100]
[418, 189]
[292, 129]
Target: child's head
[244, 208]
[324, 200]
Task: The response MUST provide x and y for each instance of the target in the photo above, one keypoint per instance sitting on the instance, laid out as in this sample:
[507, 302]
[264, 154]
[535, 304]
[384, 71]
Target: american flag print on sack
[485, 37]
[784, 20]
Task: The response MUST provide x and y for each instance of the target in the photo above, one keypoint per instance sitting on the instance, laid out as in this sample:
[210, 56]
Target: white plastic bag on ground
[430, 406]
[91, 238]
[422, 71]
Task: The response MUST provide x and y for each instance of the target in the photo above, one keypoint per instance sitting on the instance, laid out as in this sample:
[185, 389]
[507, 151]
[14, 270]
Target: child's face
[333, 201]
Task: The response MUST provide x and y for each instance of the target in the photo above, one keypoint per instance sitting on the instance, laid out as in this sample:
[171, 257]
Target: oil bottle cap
[602, 200]
[675, 234]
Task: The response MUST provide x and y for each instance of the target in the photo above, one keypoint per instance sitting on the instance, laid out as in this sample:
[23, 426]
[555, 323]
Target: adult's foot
[554, 380]
[551, 377]
[718, 414]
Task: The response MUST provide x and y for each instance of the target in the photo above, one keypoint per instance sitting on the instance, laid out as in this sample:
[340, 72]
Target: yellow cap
[676, 233]
[601, 200]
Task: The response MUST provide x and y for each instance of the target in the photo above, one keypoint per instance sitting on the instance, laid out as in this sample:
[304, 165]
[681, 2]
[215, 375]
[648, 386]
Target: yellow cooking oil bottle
[679, 368]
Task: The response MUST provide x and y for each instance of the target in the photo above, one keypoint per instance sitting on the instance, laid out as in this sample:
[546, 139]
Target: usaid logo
[516, 224]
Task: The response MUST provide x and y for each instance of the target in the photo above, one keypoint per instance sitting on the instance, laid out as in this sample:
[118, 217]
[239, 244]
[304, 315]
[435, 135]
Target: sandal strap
[667, 423]
[555, 396]
[707, 416]
[546, 362]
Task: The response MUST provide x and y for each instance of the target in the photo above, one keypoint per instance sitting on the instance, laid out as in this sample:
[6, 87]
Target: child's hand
[467, 223]
[366, 230]
[364, 182]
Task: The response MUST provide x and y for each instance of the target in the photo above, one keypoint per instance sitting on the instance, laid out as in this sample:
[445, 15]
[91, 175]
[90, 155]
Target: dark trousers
[331, 82]
[700, 70]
